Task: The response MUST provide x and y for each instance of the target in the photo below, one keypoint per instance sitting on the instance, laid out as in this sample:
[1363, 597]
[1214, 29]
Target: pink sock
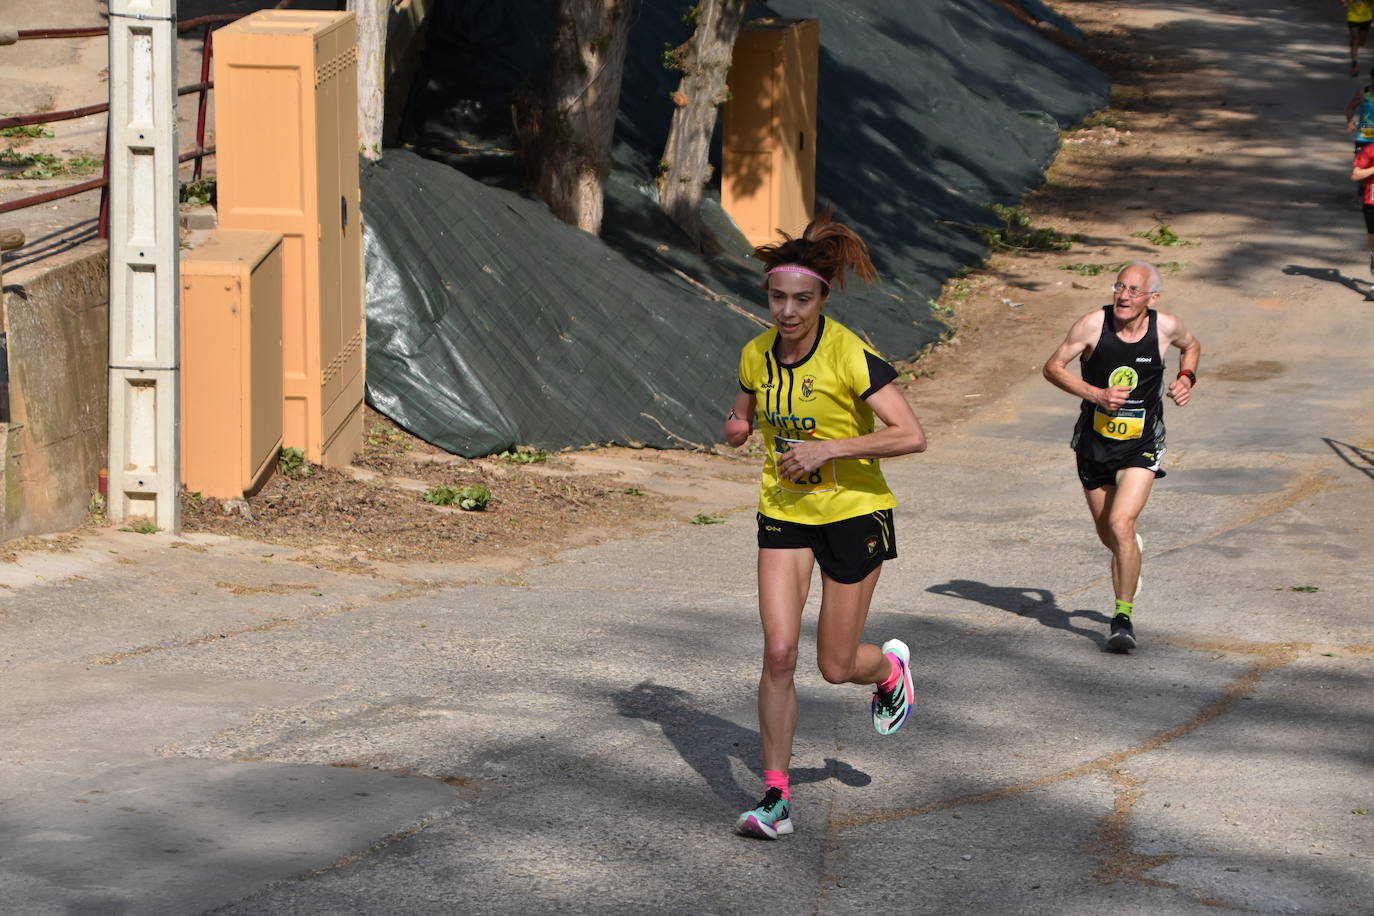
[895, 676]
[776, 779]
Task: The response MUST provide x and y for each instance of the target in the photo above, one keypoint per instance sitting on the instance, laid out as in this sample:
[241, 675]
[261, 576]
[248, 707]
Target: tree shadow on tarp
[1036, 603]
[1361, 459]
[1332, 275]
[707, 742]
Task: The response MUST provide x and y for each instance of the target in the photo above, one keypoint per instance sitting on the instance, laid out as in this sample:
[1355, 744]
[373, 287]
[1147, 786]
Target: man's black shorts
[1095, 474]
[847, 550]
[1368, 218]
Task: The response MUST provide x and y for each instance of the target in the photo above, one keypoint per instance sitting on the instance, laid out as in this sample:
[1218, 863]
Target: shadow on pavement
[707, 742]
[1332, 275]
[1361, 459]
[1037, 603]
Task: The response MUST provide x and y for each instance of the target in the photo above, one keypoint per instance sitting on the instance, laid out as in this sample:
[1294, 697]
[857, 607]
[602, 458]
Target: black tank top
[1139, 425]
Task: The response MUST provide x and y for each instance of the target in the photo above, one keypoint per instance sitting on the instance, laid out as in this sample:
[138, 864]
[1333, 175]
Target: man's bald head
[1151, 279]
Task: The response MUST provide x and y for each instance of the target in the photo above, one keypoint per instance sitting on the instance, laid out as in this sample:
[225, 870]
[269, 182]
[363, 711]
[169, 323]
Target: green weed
[939, 309]
[141, 526]
[387, 438]
[27, 131]
[471, 499]
[199, 193]
[1162, 236]
[43, 165]
[631, 491]
[701, 518]
[1092, 270]
[957, 289]
[1017, 234]
[291, 463]
[1104, 118]
[1306, 589]
[525, 454]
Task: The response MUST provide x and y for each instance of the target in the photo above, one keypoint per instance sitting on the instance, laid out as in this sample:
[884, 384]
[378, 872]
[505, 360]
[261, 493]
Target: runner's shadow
[1037, 603]
[708, 742]
[1332, 275]
[1361, 459]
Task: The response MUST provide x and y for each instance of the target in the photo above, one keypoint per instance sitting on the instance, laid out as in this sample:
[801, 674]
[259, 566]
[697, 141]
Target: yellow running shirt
[1359, 11]
[819, 397]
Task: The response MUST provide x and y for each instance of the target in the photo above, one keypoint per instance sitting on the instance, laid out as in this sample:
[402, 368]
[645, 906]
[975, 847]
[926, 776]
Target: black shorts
[1359, 26]
[1368, 217]
[847, 550]
[1094, 474]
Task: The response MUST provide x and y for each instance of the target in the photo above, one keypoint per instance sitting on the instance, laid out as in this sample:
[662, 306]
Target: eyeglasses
[1132, 291]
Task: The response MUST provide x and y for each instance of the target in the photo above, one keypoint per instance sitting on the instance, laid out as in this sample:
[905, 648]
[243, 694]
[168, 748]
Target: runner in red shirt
[1363, 172]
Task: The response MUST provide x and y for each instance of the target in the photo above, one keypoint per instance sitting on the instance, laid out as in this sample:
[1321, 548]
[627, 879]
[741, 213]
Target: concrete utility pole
[144, 464]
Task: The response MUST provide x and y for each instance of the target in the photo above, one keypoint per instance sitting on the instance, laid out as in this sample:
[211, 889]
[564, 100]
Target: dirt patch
[244, 591]
[10, 551]
[1254, 371]
[376, 510]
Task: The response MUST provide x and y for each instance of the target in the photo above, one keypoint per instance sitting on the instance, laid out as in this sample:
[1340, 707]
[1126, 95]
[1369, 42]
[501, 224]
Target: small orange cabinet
[231, 362]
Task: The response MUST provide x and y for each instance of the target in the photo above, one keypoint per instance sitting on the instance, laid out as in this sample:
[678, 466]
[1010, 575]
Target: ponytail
[827, 248]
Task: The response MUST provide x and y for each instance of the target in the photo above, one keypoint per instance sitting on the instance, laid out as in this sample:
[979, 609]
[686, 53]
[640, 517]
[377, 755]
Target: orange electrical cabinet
[286, 135]
[231, 378]
[768, 144]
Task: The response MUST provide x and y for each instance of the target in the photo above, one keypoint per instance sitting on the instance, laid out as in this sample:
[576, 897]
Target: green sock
[1124, 607]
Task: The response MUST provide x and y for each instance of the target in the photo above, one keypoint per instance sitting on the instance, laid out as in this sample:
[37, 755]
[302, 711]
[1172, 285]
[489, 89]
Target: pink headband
[797, 269]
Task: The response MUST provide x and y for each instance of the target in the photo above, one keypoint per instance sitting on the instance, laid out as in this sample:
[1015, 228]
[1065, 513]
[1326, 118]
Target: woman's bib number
[1124, 424]
[818, 481]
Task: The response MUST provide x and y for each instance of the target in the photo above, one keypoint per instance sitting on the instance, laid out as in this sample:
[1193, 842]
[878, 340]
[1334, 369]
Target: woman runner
[814, 388]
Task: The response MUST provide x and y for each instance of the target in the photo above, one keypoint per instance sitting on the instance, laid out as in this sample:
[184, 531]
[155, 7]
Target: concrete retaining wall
[56, 325]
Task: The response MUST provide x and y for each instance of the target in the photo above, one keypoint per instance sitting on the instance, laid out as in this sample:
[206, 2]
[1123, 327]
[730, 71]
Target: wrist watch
[1190, 375]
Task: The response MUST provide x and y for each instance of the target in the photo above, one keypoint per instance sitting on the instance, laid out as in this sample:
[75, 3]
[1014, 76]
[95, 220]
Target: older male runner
[1119, 438]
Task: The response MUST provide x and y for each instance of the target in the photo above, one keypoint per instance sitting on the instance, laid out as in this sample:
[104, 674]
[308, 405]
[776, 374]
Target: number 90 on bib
[1124, 424]
[818, 481]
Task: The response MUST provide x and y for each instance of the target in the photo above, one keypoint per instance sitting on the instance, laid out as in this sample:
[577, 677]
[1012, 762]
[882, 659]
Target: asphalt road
[212, 728]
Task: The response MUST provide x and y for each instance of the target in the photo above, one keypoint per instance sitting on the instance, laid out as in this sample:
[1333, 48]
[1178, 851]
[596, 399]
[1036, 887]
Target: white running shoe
[891, 708]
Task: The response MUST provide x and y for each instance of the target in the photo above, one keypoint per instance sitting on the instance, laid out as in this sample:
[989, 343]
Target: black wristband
[1192, 377]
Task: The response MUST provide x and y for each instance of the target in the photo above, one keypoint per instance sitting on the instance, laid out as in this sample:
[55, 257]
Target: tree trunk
[371, 23]
[705, 64]
[568, 137]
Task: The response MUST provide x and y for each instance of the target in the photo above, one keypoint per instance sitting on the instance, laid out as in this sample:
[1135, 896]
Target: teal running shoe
[890, 708]
[771, 819]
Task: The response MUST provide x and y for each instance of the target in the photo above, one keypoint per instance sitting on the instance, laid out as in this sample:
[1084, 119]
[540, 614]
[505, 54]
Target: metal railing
[201, 88]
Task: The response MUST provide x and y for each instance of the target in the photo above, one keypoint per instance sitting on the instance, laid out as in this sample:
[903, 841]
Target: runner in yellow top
[1358, 14]
[814, 388]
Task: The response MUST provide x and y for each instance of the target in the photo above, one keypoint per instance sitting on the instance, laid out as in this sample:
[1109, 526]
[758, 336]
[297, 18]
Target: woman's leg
[784, 581]
[844, 611]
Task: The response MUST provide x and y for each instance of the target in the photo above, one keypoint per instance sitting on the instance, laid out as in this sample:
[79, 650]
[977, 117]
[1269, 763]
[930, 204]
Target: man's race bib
[821, 480]
[1124, 424]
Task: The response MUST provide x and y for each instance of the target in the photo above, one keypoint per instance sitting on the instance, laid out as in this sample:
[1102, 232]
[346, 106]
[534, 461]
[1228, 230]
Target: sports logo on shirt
[1123, 377]
[808, 387]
